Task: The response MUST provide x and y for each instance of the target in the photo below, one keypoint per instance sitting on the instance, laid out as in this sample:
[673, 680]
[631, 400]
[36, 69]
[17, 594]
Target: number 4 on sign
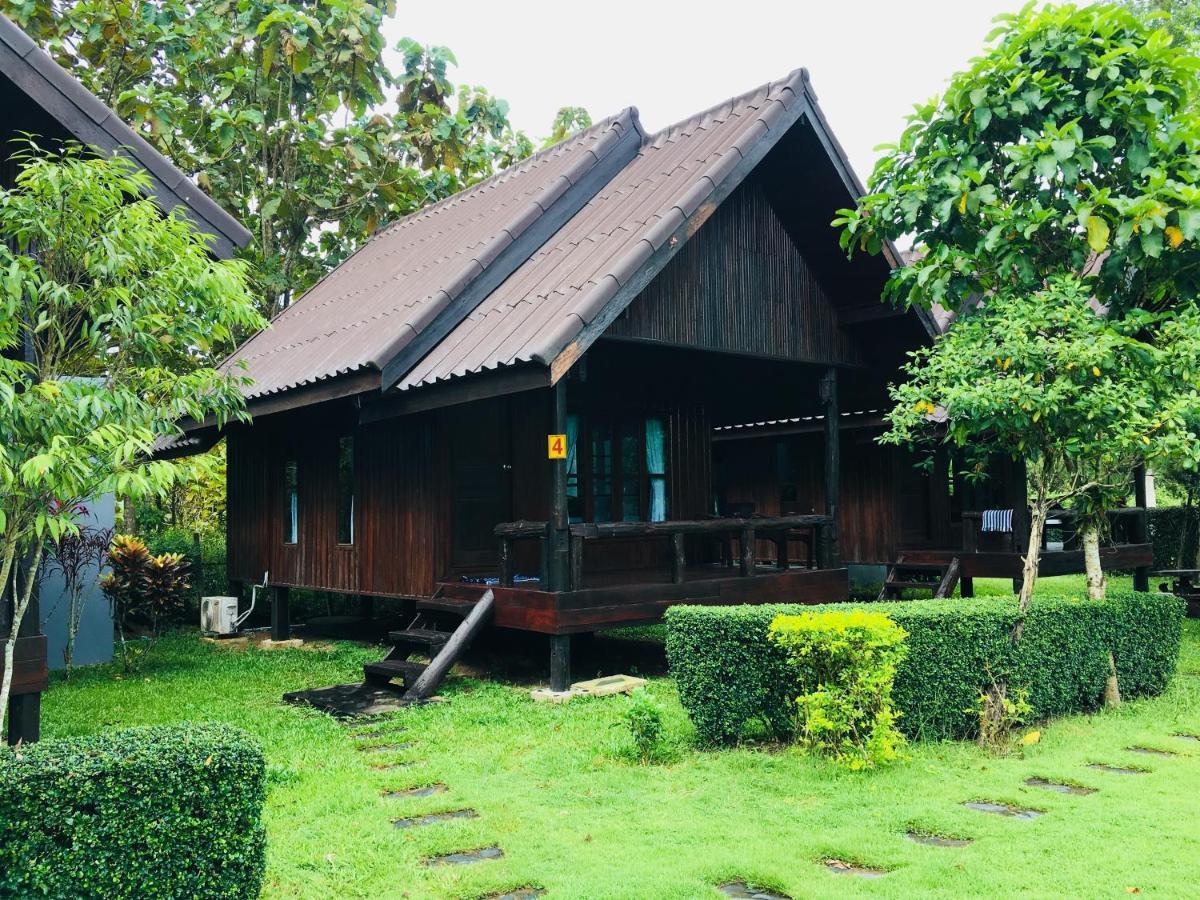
[557, 446]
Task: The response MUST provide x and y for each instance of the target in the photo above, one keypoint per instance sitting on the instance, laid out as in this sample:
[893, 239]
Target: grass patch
[555, 790]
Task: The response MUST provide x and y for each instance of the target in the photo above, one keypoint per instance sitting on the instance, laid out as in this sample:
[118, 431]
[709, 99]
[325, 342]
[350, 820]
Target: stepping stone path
[1059, 787]
[1151, 751]
[519, 894]
[391, 766]
[1002, 809]
[465, 856]
[427, 790]
[839, 867]
[744, 891]
[937, 840]
[434, 818]
[1188, 737]
[1118, 770]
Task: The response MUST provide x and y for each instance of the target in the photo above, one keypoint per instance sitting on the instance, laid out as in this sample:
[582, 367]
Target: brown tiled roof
[563, 287]
[396, 286]
[528, 267]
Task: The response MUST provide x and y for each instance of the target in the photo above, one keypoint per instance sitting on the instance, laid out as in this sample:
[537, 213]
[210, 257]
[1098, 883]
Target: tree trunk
[128, 516]
[1029, 570]
[1097, 584]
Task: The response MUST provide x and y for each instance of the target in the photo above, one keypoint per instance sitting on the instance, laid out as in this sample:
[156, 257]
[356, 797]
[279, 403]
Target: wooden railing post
[1141, 575]
[747, 562]
[506, 569]
[678, 559]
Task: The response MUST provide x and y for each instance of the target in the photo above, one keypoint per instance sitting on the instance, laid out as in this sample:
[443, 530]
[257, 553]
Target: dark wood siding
[740, 285]
[886, 503]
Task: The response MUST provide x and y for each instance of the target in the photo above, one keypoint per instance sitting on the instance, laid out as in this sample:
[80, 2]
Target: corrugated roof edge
[627, 275]
[52, 86]
[620, 138]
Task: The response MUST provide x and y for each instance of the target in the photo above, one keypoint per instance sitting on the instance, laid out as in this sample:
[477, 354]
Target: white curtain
[656, 468]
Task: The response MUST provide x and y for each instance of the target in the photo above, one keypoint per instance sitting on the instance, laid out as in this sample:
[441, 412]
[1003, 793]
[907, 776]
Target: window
[623, 476]
[291, 501]
[345, 485]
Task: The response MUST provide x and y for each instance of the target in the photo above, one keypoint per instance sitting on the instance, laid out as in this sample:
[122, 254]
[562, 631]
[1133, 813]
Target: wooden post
[25, 710]
[428, 680]
[506, 571]
[833, 456]
[560, 662]
[678, 558]
[576, 562]
[281, 620]
[1141, 575]
[559, 563]
[746, 568]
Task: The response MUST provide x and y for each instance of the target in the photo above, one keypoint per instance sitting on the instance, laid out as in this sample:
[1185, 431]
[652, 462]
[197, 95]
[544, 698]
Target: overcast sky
[870, 60]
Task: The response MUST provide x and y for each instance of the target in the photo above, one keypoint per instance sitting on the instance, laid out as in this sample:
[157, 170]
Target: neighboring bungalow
[630, 371]
[40, 98]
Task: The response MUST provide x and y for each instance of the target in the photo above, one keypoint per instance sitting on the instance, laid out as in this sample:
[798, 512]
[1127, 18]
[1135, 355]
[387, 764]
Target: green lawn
[554, 788]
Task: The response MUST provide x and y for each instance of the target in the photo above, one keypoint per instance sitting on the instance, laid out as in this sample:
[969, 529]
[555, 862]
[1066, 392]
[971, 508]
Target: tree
[567, 121]
[1180, 17]
[106, 306]
[1081, 397]
[1071, 145]
[280, 110]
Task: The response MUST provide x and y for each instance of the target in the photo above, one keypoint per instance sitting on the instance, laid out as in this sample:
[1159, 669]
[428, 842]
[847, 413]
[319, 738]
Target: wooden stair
[423, 636]
[939, 580]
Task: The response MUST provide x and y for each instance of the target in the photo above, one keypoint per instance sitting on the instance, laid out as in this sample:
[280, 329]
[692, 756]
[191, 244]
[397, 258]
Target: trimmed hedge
[729, 674]
[147, 812]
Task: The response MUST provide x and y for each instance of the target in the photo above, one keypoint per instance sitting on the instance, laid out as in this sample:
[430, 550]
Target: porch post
[558, 566]
[1141, 575]
[281, 619]
[829, 535]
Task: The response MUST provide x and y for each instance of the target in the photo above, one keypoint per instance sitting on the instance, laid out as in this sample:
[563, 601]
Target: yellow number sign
[558, 446]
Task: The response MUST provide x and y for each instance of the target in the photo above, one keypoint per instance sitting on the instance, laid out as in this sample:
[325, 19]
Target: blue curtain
[656, 468]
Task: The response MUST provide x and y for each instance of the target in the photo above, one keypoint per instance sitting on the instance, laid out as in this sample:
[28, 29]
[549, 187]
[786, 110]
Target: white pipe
[237, 623]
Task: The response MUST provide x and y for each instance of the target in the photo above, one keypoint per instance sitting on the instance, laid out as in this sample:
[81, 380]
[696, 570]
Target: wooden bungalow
[630, 371]
[41, 99]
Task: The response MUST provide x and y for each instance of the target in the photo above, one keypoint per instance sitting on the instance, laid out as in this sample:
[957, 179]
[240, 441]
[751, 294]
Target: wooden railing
[972, 524]
[747, 530]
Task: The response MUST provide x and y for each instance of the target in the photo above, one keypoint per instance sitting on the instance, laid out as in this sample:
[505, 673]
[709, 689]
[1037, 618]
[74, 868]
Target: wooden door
[481, 463]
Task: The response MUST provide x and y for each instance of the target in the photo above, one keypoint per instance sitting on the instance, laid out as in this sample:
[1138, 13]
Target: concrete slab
[609, 684]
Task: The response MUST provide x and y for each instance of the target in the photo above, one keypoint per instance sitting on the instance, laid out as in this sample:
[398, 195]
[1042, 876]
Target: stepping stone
[374, 735]
[391, 766]
[525, 893]
[937, 840]
[385, 748]
[840, 867]
[1118, 770]
[465, 856]
[1151, 751]
[427, 790]
[434, 818]
[744, 891]
[1059, 787]
[1002, 809]
[1187, 737]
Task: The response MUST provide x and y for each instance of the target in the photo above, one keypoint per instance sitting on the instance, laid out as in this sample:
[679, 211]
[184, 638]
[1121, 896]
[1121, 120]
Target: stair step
[455, 605]
[933, 568]
[419, 637]
[386, 670]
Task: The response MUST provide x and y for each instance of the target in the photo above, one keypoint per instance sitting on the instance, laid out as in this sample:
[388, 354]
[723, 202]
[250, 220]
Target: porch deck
[639, 597]
[1008, 564]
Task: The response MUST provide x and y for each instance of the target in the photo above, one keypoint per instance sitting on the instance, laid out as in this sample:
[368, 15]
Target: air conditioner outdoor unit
[219, 615]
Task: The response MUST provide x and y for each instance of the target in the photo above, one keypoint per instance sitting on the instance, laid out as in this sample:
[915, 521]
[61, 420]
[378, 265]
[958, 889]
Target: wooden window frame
[619, 425]
[290, 484]
[338, 510]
